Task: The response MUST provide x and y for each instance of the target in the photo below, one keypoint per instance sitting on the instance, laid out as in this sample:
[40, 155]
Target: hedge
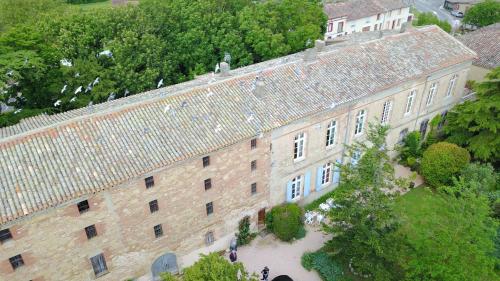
[442, 161]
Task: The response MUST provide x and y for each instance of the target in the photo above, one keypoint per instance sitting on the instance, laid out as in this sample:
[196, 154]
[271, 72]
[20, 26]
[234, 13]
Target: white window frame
[326, 174]
[451, 85]
[299, 143]
[409, 101]
[331, 131]
[296, 188]
[360, 122]
[386, 112]
[432, 93]
[356, 156]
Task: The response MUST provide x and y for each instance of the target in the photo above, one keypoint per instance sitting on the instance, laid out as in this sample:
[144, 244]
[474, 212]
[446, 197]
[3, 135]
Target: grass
[94, 5]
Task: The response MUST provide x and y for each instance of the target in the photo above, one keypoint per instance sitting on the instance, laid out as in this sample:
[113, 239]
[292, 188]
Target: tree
[214, 267]
[483, 13]
[475, 125]
[429, 19]
[442, 161]
[451, 238]
[364, 225]
[411, 150]
[285, 221]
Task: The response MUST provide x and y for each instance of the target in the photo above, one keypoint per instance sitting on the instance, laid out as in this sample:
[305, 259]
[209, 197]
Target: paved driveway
[435, 7]
[282, 258]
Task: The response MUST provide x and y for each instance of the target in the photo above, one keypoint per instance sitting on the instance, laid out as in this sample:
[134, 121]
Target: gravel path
[282, 258]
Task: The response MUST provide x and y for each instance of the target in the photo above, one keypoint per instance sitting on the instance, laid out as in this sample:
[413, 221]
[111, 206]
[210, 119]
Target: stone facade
[317, 154]
[54, 245]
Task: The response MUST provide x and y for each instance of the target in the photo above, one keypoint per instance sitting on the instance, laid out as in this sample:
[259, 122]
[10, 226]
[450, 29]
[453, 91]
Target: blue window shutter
[289, 192]
[336, 173]
[307, 184]
[319, 176]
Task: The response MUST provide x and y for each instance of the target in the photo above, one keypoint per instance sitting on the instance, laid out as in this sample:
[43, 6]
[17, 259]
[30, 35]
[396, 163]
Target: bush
[442, 161]
[411, 151]
[328, 269]
[285, 221]
[244, 235]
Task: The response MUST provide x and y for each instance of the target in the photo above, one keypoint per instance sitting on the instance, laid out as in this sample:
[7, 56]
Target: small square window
[158, 230]
[210, 208]
[5, 235]
[254, 188]
[208, 184]
[83, 206]
[253, 165]
[16, 261]
[253, 144]
[99, 265]
[209, 238]
[153, 206]
[150, 182]
[206, 161]
[91, 231]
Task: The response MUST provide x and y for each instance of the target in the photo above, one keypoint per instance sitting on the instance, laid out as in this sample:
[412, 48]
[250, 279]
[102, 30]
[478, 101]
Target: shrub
[411, 150]
[244, 235]
[285, 221]
[442, 161]
[328, 269]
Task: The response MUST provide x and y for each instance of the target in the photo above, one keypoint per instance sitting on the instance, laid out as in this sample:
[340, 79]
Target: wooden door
[262, 216]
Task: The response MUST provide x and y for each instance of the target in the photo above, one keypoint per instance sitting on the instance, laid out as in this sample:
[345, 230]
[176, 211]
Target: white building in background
[351, 16]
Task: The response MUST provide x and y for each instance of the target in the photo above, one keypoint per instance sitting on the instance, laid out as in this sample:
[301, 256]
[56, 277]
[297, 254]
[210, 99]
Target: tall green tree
[483, 13]
[475, 125]
[365, 226]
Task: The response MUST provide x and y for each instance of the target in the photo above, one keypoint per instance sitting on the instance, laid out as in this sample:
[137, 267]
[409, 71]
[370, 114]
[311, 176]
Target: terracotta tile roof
[357, 9]
[54, 159]
[486, 43]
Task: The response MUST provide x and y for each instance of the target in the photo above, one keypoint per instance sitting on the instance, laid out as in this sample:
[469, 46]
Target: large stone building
[350, 16]
[105, 192]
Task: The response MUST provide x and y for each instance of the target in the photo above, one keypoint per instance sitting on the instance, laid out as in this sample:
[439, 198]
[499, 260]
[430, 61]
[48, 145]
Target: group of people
[233, 247]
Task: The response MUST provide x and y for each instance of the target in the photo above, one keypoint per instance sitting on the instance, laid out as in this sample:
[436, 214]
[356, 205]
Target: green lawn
[95, 5]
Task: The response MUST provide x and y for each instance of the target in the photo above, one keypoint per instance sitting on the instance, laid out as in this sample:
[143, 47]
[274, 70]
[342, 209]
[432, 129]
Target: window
[298, 151]
[443, 120]
[210, 208]
[153, 206]
[209, 238]
[340, 27]
[402, 135]
[409, 101]
[330, 26]
[296, 186]
[379, 16]
[150, 182]
[83, 206]
[330, 133]
[356, 155]
[253, 165]
[158, 230]
[386, 111]
[423, 128]
[91, 231]
[451, 86]
[5, 235]
[432, 92]
[360, 120]
[326, 173]
[253, 144]
[253, 188]
[208, 184]
[99, 265]
[206, 161]
[16, 261]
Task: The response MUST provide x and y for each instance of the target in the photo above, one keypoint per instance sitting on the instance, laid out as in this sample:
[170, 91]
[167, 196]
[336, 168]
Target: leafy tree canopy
[429, 19]
[475, 125]
[483, 13]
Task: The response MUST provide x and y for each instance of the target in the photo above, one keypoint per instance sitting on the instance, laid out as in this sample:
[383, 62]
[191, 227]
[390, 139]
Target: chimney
[319, 45]
[224, 68]
[260, 87]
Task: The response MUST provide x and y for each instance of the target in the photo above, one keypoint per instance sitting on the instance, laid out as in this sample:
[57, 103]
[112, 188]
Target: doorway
[261, 218]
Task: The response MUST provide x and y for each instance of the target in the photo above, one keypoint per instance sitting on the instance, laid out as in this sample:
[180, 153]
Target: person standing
[265, 273]
[232, 256]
